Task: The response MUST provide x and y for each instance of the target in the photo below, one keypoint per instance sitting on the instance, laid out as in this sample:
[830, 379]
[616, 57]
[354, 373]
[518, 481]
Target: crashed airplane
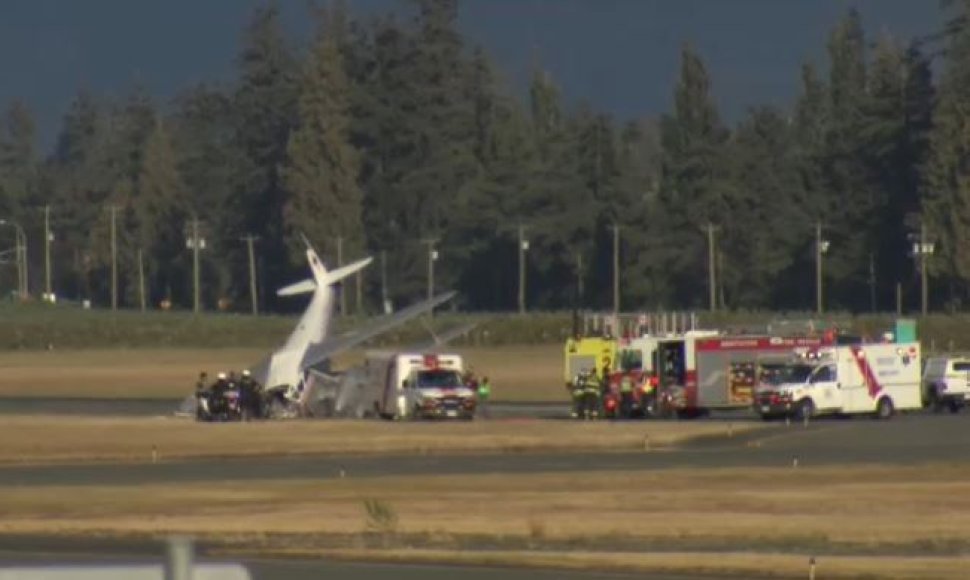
[297, 378]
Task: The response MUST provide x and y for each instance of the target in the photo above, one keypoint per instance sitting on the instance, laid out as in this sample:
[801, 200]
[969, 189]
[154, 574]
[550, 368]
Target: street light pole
[711, 267]
[113, 210]
[253, 294]
[432, 256]
[821, 246]
[523, 247]
[48, 238]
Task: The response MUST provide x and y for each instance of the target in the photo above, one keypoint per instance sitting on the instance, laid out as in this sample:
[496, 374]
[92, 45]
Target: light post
[523, 248]
[922, 248]
[194, 242]
[821, 247]
[21, 253]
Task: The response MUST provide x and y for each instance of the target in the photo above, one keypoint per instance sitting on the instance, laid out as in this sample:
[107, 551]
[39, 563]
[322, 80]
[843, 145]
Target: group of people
[481, 388]
[229, 397]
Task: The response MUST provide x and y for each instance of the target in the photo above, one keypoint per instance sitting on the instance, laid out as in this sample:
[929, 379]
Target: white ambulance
[420, 386]
[878, 379]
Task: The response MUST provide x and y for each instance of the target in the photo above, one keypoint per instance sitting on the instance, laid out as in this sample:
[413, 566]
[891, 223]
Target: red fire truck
[700, 374]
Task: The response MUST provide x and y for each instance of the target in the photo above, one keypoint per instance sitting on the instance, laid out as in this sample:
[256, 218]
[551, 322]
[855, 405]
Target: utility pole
[141, 280]
[384, 281]
[432, 256]
[195, 242]
[48, 238]
[114, 256]
[616, 268]
[711, 275]
[253, 294]
[872, 282]
[925, 249]
[579, 278]
[821, 246]
[523, 247]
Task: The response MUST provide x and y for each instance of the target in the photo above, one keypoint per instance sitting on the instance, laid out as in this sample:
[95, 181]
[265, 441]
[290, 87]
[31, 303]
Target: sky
[620, 55]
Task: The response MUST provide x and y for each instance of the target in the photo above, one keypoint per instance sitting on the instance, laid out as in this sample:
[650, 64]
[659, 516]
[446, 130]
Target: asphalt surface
[314, 569]
[105, 407]
[906, 440]
[46, 551]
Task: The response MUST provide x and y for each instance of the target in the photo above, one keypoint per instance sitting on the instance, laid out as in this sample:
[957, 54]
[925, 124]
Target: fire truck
[634, 383]
[700, 373]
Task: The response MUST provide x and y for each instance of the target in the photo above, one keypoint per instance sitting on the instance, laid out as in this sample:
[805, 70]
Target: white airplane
[298, 373]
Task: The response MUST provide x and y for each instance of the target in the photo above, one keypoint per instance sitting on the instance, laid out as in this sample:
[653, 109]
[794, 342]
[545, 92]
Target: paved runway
[104, 407]
[904, 440]
[62, 553]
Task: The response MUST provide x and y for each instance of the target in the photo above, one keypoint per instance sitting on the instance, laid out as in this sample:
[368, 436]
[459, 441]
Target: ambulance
[878, 378]
[420, 386]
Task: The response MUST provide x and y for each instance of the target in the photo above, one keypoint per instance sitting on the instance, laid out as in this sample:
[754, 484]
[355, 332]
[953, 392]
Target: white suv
[946, 383]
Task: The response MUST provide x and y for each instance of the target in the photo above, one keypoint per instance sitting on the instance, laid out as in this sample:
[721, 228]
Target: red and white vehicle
[699, 373]
[878, 378]
[420, 386]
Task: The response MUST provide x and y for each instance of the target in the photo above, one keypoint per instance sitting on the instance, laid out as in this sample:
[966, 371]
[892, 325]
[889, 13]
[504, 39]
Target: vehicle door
[826, 392]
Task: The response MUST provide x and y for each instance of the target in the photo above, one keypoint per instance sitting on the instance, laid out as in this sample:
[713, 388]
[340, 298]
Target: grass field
[524, 373]
[880, 522]
[42, 439]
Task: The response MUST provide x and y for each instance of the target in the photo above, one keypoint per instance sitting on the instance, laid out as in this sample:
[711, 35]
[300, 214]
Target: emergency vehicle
[420, 386]
[632, 384]
[588, 353]
[703, 371]
[876, 378]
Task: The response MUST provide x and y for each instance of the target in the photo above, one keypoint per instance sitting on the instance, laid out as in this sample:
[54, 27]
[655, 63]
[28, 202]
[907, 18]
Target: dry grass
[527, 373]
[896, 522]
[45, 439]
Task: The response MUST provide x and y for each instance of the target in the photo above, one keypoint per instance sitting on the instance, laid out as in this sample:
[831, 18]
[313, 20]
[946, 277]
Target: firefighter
[484, 392]
[577, 389]
[592, 391]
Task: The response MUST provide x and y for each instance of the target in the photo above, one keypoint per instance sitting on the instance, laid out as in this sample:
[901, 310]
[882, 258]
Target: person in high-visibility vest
[484, 392]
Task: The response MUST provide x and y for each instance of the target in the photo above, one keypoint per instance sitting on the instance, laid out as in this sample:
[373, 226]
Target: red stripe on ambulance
[872, 383]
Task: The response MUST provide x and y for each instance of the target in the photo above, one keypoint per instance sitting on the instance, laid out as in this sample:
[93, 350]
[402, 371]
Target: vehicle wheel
[805, 409]
[954, 407]
[768, 417]
[884, 408]
[933, 401]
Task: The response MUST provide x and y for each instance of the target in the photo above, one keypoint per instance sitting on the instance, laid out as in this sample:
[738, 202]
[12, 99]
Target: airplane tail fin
[321, 276]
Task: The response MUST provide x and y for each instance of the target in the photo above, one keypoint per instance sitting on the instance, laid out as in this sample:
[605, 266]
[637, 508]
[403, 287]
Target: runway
[905, 440]
[106, 407]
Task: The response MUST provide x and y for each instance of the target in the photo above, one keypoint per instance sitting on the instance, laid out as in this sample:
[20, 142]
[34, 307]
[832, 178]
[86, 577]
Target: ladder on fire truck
[632, 324]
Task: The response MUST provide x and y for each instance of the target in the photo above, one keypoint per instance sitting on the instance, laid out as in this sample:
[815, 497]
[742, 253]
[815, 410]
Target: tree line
[395, 137]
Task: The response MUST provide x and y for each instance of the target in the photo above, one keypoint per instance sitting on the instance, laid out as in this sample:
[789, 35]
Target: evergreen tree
[265, 109]
[945, 203]
[693, 185]
[321, 170]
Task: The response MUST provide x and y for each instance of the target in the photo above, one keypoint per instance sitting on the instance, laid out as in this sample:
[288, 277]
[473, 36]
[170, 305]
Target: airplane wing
[441, 339]
[322, 351]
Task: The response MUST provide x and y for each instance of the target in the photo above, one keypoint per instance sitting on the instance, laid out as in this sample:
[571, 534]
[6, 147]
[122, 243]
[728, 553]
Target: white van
[946, 383]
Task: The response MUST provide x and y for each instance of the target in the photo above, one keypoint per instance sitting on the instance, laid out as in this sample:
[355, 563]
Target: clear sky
[622, 55]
